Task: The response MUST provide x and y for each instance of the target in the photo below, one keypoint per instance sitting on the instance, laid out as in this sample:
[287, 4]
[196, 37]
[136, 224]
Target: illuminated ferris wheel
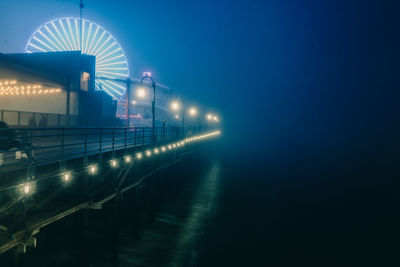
[64, 34]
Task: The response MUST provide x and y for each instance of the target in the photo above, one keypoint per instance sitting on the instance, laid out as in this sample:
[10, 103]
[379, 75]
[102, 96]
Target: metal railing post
[62, 144]
[143, 136]
[85, 159]
[113, 139]
[125, 141]
[30, 156]
[100, 140]
[135, 135]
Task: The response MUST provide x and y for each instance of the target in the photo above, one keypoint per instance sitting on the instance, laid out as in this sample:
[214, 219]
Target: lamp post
[147, 75]
[175, 105]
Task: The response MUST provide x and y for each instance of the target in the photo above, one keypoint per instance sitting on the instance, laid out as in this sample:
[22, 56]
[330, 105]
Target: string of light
[11, 87]
[93, 169]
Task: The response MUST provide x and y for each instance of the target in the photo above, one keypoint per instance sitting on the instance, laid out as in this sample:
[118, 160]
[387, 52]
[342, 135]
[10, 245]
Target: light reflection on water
[173, 238]
[204, 206]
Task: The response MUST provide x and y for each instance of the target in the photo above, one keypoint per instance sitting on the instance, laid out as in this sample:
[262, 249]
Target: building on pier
[52, 89]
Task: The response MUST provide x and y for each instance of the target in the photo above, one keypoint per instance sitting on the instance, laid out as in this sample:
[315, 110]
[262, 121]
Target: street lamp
[192, 111]
[141, 93]
[175, 105]
[147, 75]
[179, 105]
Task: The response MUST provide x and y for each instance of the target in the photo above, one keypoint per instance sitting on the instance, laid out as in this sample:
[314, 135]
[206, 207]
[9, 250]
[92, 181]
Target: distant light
[141, 93]
[169, 147]
[209, 116]
[163, 149]
[139, 155]
[92, 169]
[148, 153]
[174, 105]
[147, 74]
[176, 116]
[192, 111]
[128, 159]
[133, 102]
[156, 150]
[173, 145]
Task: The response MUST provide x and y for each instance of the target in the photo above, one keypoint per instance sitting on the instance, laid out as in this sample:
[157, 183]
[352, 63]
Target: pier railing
[20, 147]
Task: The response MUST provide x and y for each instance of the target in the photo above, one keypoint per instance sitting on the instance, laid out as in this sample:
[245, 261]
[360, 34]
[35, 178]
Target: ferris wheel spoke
[105, 50]
[112, 68]
[66, 35]
[88, 37]
[110, 64]
[43, 43]
[77, 34]
[105, 75]
[101, 87]
[72, 34]
[109, 59]
[94, 37]
[55, 38]
[97, 43]
[109, 54]
[120, 86]
[114, 73]
[37, 47]
[111, 88]
[59, 34]
[48, 39]
[103, 44]
[83, 35]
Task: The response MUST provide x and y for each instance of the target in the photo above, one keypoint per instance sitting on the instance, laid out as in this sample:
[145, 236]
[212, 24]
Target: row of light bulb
[66, 176]
[35, 86]
[29, 92]
[7, 82]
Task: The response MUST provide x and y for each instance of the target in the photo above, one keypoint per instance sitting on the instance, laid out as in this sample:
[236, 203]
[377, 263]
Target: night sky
[282, 71]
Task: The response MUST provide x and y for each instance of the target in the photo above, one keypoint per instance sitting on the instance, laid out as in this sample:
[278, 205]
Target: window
[85, 78]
